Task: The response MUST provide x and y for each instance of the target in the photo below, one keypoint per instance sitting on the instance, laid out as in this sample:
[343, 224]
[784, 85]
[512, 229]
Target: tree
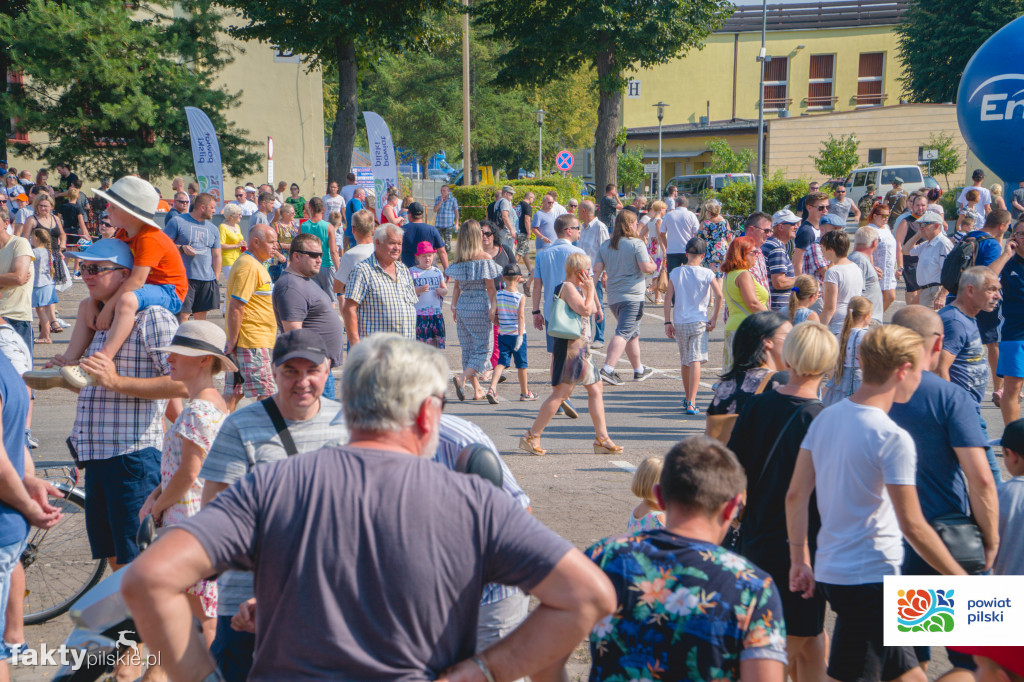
[551, 37]
[725, 160]
[837, 156]
[10, 11]
[934, 62]
[949, 161]
[112, 98]
[344, 34]
[630, 167]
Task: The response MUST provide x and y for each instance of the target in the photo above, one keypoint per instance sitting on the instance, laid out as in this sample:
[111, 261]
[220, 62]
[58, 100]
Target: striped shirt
[386, 304]
[457, 433]
[508, 311]
[109, 424]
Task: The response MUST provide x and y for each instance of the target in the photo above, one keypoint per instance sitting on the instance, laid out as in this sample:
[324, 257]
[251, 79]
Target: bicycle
[58, 562]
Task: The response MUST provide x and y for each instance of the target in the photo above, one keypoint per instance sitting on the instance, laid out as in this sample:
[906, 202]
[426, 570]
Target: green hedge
[738, 198]
[473, 200]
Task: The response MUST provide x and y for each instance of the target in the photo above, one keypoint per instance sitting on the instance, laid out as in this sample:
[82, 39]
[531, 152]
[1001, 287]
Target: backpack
[959, 259]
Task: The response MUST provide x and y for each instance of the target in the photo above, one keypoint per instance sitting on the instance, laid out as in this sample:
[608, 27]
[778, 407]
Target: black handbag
[962, 538]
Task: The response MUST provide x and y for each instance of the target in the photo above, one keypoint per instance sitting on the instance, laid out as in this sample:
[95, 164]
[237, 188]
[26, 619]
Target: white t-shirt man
[692, 286]
[247, 207]
[544, 223]
[557, 209]
[857, 450]
[334, 204]
[679, 226]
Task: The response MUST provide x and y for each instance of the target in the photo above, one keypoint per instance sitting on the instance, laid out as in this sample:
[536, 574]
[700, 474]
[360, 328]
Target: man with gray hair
[379, 294]
[375, 503]
[865, 243]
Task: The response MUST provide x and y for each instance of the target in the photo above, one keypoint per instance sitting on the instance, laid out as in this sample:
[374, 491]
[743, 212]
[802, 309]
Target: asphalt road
[580, 495]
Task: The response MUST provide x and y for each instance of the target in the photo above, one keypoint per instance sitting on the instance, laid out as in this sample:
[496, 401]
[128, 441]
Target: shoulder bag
[962, 538]
[719, 426]
[280, 425]
[564, 322]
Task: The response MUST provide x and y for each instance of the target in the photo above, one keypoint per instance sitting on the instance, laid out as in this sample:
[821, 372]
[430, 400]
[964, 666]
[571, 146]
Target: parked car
[932, 183]
[881, 177]
[693, 187]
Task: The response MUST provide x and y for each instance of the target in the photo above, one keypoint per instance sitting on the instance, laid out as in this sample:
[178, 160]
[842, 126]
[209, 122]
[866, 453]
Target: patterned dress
[717, 235]
[199, 422]
[476, 334]
[649, 521]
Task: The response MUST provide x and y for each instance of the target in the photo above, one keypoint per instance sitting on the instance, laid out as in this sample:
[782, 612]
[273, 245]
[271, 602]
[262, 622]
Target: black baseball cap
[415, 208]
[511, 270]
[299, 343]
[1013, 437]
[978, 174]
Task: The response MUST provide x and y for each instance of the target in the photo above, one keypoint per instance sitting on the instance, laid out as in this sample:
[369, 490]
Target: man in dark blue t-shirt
[416, 231]
[1011, 336]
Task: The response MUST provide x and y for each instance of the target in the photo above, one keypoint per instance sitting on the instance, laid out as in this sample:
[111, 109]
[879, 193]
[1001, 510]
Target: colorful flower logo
[925, 611]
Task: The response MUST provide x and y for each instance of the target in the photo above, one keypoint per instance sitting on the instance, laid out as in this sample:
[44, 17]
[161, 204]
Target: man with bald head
[250, 324]
[954, 476]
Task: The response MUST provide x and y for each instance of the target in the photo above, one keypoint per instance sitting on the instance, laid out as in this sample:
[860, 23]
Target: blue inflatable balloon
[990, 102]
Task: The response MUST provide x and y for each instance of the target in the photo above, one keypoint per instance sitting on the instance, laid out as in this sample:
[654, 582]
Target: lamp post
[661, 114]
[761, 57]
[540, 143]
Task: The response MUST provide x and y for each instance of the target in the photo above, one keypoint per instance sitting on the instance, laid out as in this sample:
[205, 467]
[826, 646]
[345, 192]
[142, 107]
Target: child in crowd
[429, 284]
[692, 287]
[157, 278]
[846, 379]
[964, 224]
[337, 221]
[803, 295]
[648, 514]
[511, 318]
[43, 288]
[1010, 558]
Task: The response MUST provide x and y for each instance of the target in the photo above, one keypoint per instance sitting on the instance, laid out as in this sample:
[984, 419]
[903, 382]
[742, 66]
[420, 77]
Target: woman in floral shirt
[714, 229]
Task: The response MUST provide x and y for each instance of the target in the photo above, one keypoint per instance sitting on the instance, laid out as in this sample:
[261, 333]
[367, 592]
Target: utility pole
[761, 57]
[467, 165]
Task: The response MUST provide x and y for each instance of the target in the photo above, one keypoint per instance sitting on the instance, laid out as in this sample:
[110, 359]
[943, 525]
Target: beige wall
[899, 130]
[697, 145]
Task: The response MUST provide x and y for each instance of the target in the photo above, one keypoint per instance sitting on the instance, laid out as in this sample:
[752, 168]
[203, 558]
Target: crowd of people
[806, 489]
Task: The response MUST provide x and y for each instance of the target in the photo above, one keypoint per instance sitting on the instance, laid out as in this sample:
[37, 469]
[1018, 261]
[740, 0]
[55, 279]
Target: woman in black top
[766, 440]
[757, 355]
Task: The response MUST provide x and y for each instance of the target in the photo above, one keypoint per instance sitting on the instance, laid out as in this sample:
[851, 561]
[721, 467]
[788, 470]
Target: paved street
[582, 496]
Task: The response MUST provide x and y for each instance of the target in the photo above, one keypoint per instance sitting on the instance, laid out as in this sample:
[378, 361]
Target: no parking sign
[564, 160]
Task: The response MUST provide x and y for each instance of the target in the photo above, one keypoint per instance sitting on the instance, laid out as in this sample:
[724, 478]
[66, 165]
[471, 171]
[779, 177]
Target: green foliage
[948, 203]
[112, 97]
[949, 161]
[631, 169]
[473, 200]
[725, 160]
[738, 198]
[837, 156]
[568, 186]
[938, 37]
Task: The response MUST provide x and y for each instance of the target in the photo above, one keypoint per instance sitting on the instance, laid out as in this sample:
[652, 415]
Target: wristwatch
[536, 312]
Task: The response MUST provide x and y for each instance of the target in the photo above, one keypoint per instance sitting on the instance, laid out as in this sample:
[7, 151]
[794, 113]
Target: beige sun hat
[196, 338]
[134, 195]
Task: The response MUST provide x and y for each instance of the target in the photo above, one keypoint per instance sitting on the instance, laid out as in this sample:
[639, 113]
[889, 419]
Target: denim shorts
[507, 352]
[10, 555]
[163, 295]
[115, 489]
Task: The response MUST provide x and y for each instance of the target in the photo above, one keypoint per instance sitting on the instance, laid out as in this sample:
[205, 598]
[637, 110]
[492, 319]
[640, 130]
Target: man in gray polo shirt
[249, 438]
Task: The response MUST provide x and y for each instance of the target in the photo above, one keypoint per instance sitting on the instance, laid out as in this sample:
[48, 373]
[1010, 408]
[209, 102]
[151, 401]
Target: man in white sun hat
[157, 278]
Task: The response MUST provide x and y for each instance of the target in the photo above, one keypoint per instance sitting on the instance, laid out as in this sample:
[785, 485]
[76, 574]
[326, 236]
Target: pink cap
[424, 247]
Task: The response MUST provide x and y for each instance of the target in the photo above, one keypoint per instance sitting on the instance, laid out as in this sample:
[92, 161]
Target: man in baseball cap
[781, 274]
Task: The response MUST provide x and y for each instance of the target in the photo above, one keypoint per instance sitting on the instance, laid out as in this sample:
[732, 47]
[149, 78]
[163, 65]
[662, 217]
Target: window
[776, 84]
[869, 79]
[905, 173]
[860, 179]
[820, 82]
[876, 157]
[15, 81]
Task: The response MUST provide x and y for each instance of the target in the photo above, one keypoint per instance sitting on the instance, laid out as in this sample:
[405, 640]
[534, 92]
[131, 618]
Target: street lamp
[661, 114]
[540, 143]
[761, 57]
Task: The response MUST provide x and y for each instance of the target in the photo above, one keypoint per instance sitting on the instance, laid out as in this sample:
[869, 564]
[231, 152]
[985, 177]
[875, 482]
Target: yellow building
[835, 55]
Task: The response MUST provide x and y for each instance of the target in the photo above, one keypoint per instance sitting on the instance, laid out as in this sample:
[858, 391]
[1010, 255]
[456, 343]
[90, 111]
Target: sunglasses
[821, 208]
[487, 234]
[312, 254]
[89, 269]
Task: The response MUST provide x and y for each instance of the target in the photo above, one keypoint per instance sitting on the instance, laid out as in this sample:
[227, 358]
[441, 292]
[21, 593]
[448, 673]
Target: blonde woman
[473, 306]
[997, 197]
[571, 363]
[715, 232]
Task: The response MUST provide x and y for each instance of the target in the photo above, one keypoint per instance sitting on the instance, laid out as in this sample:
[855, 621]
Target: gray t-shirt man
[840, 208]
[626, 282]
[247, 439]
[370, 562]
[301, 299]
[872, 289]
[201, 236]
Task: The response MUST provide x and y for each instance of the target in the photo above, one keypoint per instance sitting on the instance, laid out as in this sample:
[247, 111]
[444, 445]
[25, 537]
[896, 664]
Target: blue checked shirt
[456, 434]
[778, 263]
[446, 212]
[109, 424]
[386, 304]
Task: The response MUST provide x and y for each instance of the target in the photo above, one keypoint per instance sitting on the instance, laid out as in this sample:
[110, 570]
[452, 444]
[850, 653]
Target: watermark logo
[928, 610]
[78, 659]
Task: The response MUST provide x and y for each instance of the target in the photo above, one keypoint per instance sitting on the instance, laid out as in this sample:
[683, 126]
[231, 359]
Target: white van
[881, 177]
[693, 186]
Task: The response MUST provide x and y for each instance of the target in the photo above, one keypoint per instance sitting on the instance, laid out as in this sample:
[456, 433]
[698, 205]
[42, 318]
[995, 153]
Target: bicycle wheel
[58, 563]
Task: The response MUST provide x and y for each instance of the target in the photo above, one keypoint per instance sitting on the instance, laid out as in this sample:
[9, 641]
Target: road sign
[564, 160]
[929, 154]
[650, 168]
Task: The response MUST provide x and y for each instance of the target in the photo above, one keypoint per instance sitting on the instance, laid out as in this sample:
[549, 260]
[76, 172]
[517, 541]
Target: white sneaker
[63, 324]
[77, 377]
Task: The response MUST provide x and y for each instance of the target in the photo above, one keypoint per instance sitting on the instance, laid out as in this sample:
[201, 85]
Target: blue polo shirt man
[549, 271]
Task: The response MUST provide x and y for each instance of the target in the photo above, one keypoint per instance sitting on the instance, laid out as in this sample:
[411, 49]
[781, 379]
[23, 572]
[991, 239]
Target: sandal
[997, 397]
[491, 397]
[531, 444]
[458, 389]
[56, 328]
[528, 396]
[605, 446]
[691, 408]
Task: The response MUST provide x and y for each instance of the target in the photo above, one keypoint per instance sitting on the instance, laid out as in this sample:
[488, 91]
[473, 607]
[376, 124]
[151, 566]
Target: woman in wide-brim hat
[195, 356]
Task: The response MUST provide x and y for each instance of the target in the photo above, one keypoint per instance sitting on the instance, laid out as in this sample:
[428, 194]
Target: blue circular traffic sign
[990, 102]
[564, 160]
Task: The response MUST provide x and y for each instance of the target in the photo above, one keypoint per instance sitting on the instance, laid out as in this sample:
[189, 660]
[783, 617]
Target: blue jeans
[232, 650]
[990, 454]
[115, 490]
[10, 555]
[598, 326]
[329, 386]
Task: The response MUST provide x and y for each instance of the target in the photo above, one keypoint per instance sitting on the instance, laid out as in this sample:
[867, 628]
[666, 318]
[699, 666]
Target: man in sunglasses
[842, 206]
[807, 256]
[301, 303]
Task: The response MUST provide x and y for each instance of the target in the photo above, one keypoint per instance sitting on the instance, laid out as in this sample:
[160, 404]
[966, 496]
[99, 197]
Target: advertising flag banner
[382, 158]
[206, 155]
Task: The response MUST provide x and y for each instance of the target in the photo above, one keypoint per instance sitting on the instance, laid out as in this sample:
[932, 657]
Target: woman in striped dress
[473, 306]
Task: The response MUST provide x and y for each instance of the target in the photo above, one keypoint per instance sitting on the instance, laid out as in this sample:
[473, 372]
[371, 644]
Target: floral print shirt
[717, 235]
[687, 609]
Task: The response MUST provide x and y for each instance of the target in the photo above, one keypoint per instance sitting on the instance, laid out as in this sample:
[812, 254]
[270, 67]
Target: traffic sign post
[564, 160]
